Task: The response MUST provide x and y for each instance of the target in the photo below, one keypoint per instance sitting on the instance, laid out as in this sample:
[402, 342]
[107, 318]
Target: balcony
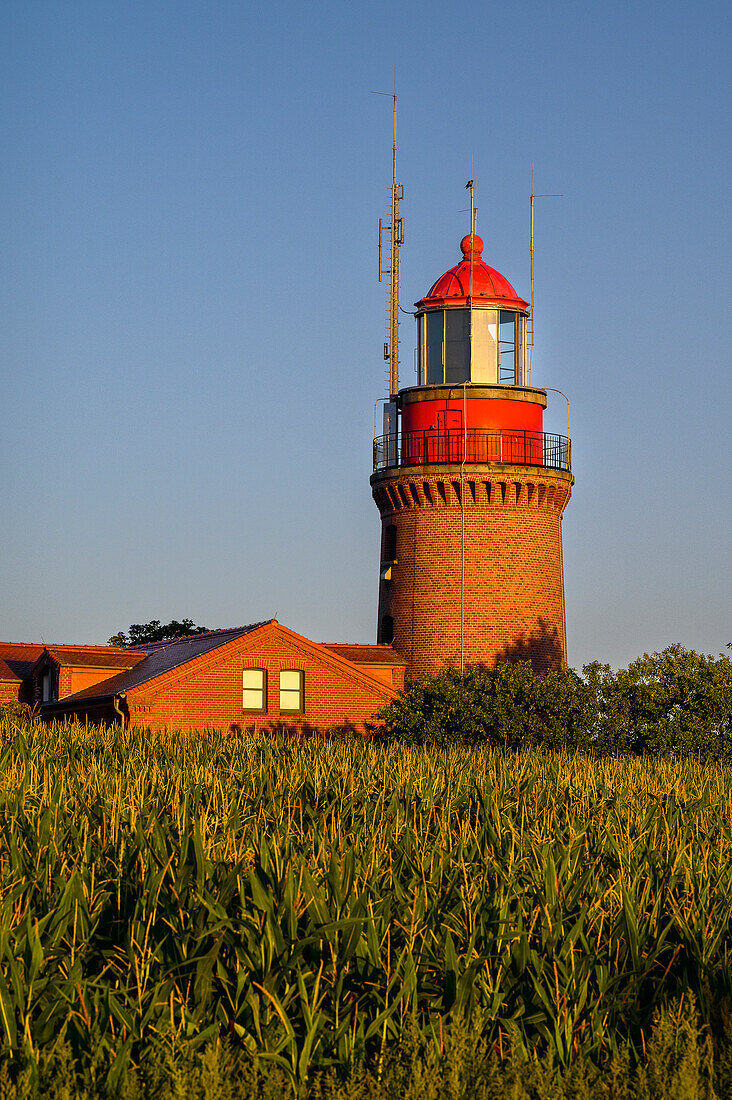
[478, 446]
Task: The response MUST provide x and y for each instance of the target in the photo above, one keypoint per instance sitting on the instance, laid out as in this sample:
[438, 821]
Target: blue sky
[193, 328]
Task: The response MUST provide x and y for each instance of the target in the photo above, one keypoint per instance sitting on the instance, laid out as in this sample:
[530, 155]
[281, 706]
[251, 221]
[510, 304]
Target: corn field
[314, 902]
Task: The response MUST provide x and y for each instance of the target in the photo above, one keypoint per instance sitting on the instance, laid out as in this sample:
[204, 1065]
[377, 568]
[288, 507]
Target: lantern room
[471, 326]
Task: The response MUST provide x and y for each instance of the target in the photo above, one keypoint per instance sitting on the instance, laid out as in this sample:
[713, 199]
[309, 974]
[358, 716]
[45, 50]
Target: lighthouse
[470, 488]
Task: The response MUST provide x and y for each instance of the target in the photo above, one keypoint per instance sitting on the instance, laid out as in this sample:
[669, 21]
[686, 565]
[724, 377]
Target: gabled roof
[6, 672]
[20, 657]
[366, 654]
[327, 655]
[161, 657]
[92, 656]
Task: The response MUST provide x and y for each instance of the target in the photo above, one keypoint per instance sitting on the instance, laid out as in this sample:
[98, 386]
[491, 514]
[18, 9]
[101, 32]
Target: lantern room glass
[457, 345]
[507, 347]
[435, 323]
[480, 346]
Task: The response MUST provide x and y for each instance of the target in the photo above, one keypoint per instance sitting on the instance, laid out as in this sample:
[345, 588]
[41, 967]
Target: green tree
[507, 705]
[676, 702]
[155, 631]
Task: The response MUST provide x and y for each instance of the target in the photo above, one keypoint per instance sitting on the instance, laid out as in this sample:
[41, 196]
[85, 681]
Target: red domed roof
[453, 288]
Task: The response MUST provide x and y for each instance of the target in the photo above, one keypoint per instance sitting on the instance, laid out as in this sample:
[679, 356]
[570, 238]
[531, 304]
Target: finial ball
[471, 243]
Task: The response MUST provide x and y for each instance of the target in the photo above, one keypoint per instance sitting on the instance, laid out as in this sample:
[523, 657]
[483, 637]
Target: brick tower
[470, 489]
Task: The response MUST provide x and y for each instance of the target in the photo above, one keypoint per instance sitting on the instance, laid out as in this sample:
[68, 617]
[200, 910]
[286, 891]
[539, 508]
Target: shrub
[504, 706]
[676, 703]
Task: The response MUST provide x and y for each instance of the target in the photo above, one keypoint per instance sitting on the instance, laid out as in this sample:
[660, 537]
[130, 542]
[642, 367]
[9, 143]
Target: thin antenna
[470, 186]
[530, 339]
[393, 271]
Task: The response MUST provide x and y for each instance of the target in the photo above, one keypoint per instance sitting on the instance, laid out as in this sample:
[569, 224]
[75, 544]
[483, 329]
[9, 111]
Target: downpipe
[117, 700]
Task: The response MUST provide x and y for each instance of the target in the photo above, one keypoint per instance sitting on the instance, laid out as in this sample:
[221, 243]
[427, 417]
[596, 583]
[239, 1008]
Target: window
[254, 689]
[521, 350]
[390, 543]
[291, 690]
[484, 335]
[435, 336]
[457, 345]
[507, 347]
[47, 685]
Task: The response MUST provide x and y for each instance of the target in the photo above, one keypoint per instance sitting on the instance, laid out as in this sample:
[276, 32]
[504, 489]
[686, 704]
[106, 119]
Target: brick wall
[513, 604]
[207, 693]
[10, 691]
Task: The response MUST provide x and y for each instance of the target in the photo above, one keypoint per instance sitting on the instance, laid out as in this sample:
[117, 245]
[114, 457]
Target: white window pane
[484, 360]
[253, 695]
[291, 693]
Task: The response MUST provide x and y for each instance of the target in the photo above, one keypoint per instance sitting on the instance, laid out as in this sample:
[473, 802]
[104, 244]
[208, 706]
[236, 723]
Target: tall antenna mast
[530, 335]
[470, 186]
[395, 228]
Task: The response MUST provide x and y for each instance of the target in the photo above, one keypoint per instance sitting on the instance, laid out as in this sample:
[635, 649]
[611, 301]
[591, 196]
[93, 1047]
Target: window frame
[300, 691]
[263, 689]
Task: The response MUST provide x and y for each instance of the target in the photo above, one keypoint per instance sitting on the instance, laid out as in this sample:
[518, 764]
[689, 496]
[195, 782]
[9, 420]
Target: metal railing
[482, 446]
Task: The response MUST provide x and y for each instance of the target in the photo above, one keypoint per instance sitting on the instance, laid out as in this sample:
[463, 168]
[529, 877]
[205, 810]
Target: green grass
[292, 910]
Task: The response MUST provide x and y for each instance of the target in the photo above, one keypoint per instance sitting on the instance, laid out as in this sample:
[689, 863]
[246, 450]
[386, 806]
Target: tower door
[450, 435]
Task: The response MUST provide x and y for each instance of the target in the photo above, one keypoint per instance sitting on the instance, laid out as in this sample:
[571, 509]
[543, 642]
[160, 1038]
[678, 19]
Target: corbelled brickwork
[482, 549]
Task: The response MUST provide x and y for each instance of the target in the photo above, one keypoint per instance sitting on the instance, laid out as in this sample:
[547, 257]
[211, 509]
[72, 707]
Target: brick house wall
[10, 690]
[513, 584]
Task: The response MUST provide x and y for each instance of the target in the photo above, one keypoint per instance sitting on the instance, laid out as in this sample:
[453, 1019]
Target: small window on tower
[390, 542]
[291, 690]
[254, 689]
[386, 633]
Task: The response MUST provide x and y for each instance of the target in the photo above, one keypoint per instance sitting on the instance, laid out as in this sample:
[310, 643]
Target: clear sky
[193, 329]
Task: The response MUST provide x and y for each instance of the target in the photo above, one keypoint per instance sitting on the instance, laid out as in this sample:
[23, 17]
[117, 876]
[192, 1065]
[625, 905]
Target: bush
[506, 706]
[674, 703]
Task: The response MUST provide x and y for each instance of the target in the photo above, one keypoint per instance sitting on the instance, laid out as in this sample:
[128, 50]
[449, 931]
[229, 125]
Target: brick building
[262, 677]
[16, 668]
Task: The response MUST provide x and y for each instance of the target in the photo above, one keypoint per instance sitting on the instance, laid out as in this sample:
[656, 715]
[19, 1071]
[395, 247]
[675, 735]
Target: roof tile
[20, 657]
[366, 654]
[161, 657]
